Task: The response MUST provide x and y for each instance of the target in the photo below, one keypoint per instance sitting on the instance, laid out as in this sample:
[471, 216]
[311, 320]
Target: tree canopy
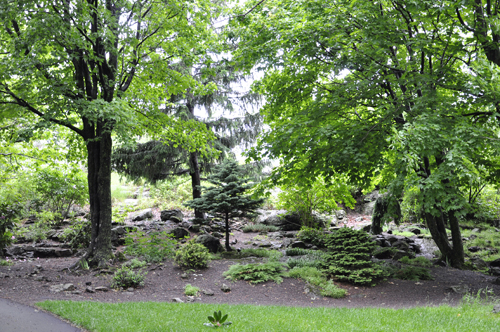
[399, 93]
[102, 69]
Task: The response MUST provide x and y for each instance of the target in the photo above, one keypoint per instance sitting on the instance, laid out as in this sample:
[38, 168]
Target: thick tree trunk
[196, 182]
[453, 254]
[99, 180]
[228, 248]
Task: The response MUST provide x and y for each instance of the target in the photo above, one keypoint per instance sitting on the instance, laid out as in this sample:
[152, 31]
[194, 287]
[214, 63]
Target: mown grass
[161, 316]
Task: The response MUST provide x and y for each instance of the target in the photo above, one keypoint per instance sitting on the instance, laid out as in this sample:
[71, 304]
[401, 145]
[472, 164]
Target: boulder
[62, 288]
[210, 242]
[179, 232]
[298, 244]
[383, 253]
[52, 252]
[174, 215]
[478, 263]
[286, 221]
[141, 215]
[495, 263]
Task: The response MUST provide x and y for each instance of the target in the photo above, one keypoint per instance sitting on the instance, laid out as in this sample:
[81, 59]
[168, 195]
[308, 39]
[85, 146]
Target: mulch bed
[164, 282]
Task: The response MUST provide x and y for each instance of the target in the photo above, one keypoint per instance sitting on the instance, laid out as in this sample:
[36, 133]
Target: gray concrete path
[15, 317]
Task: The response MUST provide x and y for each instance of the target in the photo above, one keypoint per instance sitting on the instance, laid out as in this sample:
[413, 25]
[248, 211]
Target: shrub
[191, 290]
[8, 213]
[36, 232]
[311, 235]
[301, 252]
[321, 196]
[259, 228]
[126, 277]
[414, 273]
[153, 247]
[5, 262]
[192, 255]
[135, 264]
[59, 189]
[78, 234]
[349, 257]
[256, 273]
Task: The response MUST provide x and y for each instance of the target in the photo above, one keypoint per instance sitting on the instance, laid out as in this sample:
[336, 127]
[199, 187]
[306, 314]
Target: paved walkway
[15, 317]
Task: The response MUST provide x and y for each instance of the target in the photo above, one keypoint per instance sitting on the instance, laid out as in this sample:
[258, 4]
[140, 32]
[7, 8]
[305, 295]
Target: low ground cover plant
[418, 261]
[191, 290]
[415, 273]
[311, 235]
[259, 228]
[256, 272]
[192, 255]
[315, 277]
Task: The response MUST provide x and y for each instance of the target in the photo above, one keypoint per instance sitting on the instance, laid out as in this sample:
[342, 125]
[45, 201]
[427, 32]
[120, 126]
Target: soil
[21, 283]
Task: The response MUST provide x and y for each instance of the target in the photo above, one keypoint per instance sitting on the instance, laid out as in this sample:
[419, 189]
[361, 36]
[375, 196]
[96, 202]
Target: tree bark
[453, 254]
[99, 181]
[195, 182]
[228, 248]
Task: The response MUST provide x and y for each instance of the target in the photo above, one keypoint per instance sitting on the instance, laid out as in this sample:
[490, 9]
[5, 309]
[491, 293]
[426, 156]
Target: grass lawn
[162, 316]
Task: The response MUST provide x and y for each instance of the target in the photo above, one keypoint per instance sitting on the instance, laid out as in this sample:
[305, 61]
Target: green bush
[311, 235]
[256, 273]
[59, 189]
[126, 277]
[259, 228]
[349, 257]
[172, 193]
[8, 214]
[6, 262]
[192, 255]
[35, 232]
[191, 290]
[135, 264]
[322, 196]
[153, 247]
[305, 261]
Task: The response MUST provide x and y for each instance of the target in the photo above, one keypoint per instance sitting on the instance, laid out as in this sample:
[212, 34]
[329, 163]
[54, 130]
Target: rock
[401, 244]
[62, 288]
[194, 228]
[496, 281]
[184, 276]
[217, 235]
[496, 309]
[460, 289]
[101, 289]
[401, 253]
[225, 288]
[89, 289]
[478, 263]
[495, 271]
[265, 245]
[340, 214]
[210, 242]
[383, 253]
[141, 215]
[475, 249]
[52, 252]
[368, 208]
[177, 300]
[179, 232]
[4, 275]
[495, 263]
[298, 244]
[174, 215]
[208, 292]
[14, 251]
[415, 230]
[130, 289]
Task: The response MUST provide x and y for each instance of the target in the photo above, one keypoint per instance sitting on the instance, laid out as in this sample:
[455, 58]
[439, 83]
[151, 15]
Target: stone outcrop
[212, 243]
[174, 215]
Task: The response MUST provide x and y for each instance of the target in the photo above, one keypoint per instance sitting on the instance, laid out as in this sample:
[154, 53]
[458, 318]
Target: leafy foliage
[349, 257]
[77, 235]
[8, 214]
[414, 273]
[419, 261]
[256, 273]
[192, 255]
[259, 228]
[153, 247]
[218, 320]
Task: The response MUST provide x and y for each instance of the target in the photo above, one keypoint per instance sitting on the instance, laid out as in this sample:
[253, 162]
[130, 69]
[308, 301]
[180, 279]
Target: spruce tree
[227, 198]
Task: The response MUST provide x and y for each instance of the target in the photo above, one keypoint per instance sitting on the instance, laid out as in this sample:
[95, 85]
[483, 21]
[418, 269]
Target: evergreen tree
[227, 199]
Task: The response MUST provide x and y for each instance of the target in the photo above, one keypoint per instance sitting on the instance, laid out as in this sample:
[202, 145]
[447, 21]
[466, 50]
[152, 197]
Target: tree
[387, 91]
[156, 160]
[98, 68]
[227, 199]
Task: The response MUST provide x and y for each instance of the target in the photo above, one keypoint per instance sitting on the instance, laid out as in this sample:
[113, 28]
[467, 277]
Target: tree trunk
[228, 248]
[99, 180]
[195, 181]
[453, 254]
